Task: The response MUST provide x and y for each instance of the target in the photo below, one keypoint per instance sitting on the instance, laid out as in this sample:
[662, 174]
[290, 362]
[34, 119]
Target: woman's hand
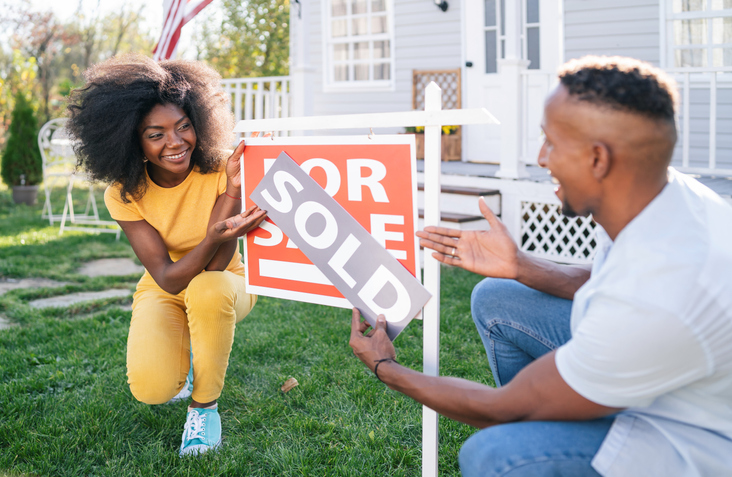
[233, 168]
[233, 171]
[237, 225]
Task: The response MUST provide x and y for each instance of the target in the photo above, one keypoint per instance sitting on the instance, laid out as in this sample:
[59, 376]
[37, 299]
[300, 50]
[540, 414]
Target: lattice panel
[544, 230]
[447, 80]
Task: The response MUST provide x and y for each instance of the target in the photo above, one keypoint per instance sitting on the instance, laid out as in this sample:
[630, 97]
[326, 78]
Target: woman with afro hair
[158, 133]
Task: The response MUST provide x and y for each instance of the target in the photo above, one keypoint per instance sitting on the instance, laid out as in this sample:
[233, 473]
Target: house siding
[425, 38]
[612, 27]
[429, 39]
[632, 28]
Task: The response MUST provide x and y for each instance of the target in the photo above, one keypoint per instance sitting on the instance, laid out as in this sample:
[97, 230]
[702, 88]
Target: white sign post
[432, 118]
[431, 312]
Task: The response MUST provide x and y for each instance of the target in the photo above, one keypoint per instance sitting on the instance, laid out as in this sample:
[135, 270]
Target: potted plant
[22, 166]
[451, 142]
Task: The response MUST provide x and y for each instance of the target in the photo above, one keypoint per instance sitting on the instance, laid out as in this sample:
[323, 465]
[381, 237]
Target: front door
[519, 29]
[483, 40]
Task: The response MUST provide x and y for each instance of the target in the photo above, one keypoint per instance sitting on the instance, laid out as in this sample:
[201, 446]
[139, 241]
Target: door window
[494, 33]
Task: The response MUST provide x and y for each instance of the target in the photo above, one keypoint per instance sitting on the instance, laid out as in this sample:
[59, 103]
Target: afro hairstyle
[105, 114]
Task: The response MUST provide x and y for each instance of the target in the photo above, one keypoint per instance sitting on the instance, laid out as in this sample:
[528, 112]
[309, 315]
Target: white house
[359, 56]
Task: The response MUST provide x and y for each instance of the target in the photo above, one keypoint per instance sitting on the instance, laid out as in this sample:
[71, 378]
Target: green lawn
[66, 409]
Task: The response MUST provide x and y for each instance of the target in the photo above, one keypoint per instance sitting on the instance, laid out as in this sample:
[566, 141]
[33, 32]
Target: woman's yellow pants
[165, 329]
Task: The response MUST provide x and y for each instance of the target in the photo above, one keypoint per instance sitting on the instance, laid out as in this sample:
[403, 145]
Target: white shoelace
[196, 425]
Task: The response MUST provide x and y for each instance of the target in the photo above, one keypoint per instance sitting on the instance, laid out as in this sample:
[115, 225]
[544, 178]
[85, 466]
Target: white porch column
[301, 71]
[551, 34]
[509, 70]
[512, 92]
[513, 30]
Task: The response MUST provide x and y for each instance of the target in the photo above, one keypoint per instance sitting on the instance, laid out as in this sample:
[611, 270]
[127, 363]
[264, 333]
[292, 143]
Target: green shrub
[22, 155]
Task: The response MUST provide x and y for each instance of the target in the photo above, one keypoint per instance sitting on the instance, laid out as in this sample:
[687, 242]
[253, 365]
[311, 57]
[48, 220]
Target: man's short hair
[620, 83]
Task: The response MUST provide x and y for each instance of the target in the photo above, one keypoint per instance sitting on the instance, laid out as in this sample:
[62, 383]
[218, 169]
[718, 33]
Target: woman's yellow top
[180, 214]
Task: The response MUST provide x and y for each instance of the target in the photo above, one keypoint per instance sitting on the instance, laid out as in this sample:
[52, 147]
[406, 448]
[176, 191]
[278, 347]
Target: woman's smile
[176, 157]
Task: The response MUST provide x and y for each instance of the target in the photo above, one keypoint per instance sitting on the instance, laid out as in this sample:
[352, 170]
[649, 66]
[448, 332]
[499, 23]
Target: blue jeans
[518, 325]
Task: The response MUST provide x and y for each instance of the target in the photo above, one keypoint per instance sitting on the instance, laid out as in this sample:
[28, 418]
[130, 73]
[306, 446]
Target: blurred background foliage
[246, 38]
[45, 57]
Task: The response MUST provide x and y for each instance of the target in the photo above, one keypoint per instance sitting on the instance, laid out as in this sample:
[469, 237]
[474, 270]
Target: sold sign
[372, 178]
[349, 257]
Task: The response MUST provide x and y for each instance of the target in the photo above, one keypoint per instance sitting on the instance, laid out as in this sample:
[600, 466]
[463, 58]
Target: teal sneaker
[202, 432]
[187, 390]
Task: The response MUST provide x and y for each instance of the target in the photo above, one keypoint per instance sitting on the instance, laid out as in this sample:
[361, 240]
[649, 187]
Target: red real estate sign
[374, 179]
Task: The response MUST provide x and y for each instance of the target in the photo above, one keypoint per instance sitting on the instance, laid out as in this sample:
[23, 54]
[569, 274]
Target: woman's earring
[144, 159]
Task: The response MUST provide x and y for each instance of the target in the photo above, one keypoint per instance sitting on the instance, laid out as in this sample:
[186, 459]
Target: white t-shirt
[652, 332]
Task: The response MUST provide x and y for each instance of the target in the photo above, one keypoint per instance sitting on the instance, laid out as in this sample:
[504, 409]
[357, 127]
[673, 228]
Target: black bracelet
[378, 362]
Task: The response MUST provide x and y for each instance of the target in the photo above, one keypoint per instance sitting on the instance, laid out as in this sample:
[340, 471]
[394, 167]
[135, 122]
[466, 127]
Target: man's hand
[374, 345]
[491, 253]
[237, 225]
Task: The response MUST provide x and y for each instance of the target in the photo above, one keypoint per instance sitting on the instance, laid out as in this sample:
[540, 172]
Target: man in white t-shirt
[619, 370]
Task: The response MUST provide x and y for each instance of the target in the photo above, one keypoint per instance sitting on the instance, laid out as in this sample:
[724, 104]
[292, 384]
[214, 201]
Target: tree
[17, 76]
[60, 52]
[21, 162]
[127, 27]
[248, 38]
[36, 35]
[100, 37]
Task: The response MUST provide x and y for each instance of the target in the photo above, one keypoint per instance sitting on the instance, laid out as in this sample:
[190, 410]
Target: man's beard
[568, 211]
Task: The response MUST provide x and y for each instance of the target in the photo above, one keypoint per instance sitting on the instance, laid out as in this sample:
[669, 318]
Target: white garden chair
[58, 161]
[59, 166]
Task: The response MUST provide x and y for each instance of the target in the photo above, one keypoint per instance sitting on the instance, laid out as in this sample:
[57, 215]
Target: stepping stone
[4, 323]
[68, 300]
[8, 284]
[106, 267]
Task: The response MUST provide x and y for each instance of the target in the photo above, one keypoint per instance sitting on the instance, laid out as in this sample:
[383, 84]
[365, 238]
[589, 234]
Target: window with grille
[495, 33]
[699, 33]
[359, 43]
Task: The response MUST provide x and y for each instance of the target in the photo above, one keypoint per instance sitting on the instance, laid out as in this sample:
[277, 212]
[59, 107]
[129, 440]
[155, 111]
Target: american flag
[176, 13]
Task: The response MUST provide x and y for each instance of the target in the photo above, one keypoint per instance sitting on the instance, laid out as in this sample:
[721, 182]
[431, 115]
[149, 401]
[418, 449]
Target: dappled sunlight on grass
[36, 237]
[63, 369]
[339, 420]
[31, 247]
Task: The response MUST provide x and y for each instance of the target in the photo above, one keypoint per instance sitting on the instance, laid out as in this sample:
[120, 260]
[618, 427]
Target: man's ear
[602, 160]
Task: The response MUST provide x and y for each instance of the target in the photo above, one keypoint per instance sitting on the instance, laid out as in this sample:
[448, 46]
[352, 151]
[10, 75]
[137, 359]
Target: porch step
[463, 200]
[453, 217]
[460, 190]
[457, 221]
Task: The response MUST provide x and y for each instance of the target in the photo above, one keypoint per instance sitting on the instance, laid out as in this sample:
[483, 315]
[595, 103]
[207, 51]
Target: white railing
[712, 79]
[259, 98]
[536, 84]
